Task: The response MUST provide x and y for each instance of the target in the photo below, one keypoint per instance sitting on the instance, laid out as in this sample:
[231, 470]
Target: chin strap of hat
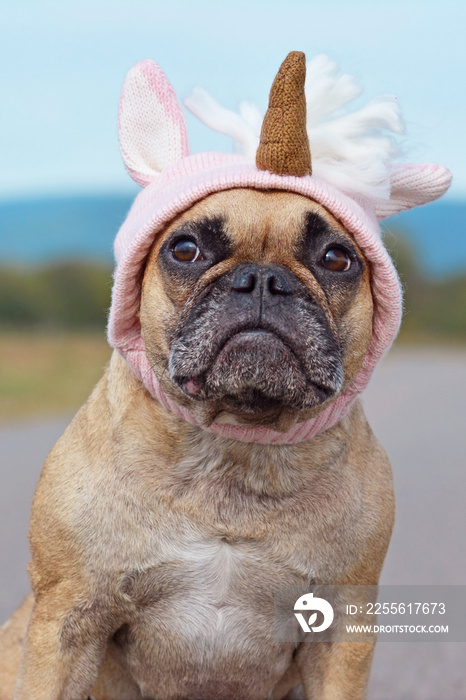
[284, 144]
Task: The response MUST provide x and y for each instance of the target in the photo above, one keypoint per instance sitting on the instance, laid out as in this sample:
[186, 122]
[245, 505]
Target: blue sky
[62, 65]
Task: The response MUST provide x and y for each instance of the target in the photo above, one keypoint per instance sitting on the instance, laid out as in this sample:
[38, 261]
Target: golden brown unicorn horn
[284, 146]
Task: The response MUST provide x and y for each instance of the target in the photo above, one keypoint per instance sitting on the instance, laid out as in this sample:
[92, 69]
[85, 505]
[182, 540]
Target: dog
[225, 450]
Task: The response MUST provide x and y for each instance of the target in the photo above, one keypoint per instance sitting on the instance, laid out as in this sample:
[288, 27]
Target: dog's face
[256, 308]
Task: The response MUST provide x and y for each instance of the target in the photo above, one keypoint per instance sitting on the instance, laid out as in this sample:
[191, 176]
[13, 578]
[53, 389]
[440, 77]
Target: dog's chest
[204, 606]
[202, 583]
[201, 564]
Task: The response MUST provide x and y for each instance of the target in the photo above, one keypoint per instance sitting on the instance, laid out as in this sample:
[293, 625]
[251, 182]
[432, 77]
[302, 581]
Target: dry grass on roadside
[45, 374]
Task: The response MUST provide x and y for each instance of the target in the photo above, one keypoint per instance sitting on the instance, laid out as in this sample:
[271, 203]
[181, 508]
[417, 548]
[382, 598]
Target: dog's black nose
[244, 282]
[266, 278]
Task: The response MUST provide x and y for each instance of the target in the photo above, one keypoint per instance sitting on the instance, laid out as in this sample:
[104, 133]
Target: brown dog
[156, 543]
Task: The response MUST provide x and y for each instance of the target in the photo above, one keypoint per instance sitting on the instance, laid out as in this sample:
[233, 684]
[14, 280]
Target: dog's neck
[272, 470]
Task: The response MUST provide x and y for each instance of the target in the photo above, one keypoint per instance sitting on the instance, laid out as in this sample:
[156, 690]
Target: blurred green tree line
[76, 295]
[434, 309]
[59, 296]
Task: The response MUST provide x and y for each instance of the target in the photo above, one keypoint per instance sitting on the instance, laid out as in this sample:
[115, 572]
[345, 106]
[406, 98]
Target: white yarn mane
[350, 150]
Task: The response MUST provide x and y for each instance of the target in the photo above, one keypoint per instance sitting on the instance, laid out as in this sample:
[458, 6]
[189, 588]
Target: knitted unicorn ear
[151, 126]
[412, 185]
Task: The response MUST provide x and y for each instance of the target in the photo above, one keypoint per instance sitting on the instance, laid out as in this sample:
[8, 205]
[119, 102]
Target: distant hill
[67, 228]
[437, 232]
[77, 228]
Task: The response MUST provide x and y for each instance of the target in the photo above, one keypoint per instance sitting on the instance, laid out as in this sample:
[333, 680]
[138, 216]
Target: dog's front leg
[336, 670]
[64, 647]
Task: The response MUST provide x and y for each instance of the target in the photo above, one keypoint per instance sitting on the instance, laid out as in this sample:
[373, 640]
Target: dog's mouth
[257, 345]
[257, 371]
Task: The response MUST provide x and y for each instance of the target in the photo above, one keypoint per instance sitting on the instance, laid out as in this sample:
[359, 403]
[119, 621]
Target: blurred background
[64, 193]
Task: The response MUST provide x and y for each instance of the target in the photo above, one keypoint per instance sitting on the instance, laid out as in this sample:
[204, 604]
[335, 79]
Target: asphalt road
[417, 407]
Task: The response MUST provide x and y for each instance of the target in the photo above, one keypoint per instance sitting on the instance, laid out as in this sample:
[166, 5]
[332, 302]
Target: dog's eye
[185, 250]
[336, 260]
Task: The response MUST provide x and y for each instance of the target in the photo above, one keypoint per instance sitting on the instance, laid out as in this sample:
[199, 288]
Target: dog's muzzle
[254, 339]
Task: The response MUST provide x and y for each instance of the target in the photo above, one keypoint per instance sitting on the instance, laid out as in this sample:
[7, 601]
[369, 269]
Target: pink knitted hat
[351, 177]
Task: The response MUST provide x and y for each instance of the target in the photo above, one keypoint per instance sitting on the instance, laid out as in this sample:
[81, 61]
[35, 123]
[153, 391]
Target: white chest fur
[211, 591]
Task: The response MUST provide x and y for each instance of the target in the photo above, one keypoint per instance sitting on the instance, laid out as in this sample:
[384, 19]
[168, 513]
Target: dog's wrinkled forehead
[240, 227]
[250, 225]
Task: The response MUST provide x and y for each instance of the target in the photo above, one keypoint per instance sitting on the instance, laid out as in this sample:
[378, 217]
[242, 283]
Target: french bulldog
[186, 488]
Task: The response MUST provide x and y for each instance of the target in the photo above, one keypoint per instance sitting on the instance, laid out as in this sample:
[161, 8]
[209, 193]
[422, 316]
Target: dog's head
[256, 289]
[256, 305]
